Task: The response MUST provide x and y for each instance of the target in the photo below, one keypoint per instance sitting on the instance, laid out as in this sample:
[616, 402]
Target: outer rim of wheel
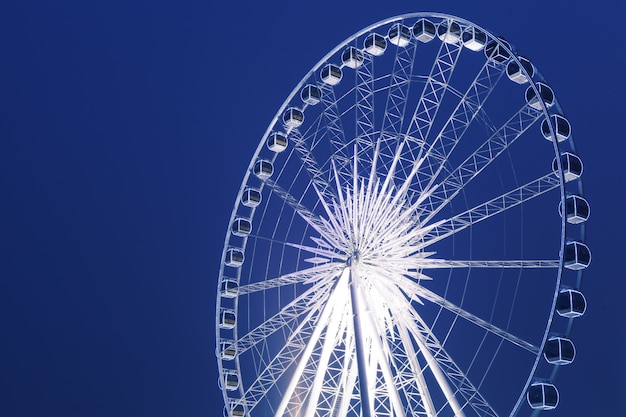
[556, 109]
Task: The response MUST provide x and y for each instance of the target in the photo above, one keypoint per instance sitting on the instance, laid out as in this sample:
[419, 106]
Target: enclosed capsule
[545, 94]
[293, 117]
[277, 142]
[237, 410]
[498, 52]
[228, 350]
[352, 57]
[559, 351]
[230, 380]
[311, 94]
[331, 74]
[234, 257]
[399, 35]
[228, 318]
[520, 73]
[251, 197]
[561, 127]
[375, 44]
[542, 396]
[474, 38]
[571, 164]
[577, 256]
[424, 30]
[576, 209]
[571, 304]
[241, 227]
[449, 31]
[229, 288]
[263, 169]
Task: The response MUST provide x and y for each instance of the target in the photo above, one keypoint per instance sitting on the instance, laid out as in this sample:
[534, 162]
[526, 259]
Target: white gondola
[311, 94]
[277, 142]
[577, 256]
[331, 74]
[236, 410]
[228, 318]
[474, 39]
[542, 396]
[251, 197]
[234, 257]
[293, 117]
[572, 166]
[424, 30]
[560, 125]
[241, 227]
[576, 209]
[352, 57]
[230, 380]
[228, 350]
[571, 304]
[229, 288]
[375, 44]
[545, 94]
[449, 32]
[497, 52]
[559, 351]
[263, 169]
[520, 73]
[399, 35]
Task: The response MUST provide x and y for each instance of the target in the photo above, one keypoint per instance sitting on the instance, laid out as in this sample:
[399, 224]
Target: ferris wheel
[408, 239]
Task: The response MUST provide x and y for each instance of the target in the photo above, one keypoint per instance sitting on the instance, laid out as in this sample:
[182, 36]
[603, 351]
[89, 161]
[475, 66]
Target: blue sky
[126, 128]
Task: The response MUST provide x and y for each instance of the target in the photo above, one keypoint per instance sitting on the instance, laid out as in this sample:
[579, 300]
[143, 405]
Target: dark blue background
[125, 130]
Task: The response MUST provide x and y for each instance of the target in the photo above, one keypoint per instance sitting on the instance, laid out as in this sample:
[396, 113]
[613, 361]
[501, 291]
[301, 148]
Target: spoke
[285, 318]
[439, 195]
[442, 302]
[517, 264]
[323, 272]
[448, 227]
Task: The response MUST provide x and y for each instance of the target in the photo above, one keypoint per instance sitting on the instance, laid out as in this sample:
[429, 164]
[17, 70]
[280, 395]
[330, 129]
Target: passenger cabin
[263, 169]
[277, 142]
[399, 35]
[520, 73]
[542, 396]
[352, 57]
[561, 127]
[231, 380]
[545, 94]
[251, 197]
[474, 39]
[424, 30]
[576, 209]
[234, 257]
[331, 74]
[311, 94]
[559, 351]
[571, 304]
[375, 44]
[577, 256]
[228, 318]
[293, 117]
[229, 288]
[241, 227]
[498, 52]
[571, 164]
[237, 410]
[228, 350]
[449, 31]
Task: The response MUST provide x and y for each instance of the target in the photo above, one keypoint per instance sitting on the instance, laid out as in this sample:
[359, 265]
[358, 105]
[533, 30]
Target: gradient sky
[125, 131]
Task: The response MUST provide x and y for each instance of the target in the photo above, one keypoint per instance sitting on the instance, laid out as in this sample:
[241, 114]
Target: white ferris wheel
[408, 239]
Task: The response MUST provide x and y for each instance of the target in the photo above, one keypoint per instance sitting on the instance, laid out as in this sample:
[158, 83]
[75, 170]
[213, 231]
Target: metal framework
[398, 250]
